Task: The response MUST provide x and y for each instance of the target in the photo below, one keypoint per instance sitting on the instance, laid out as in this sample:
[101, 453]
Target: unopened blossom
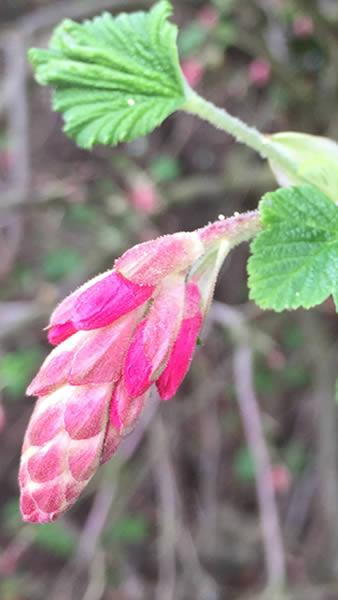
[193, 70]
[115, 337]
[259, 72]
[303, 26]
[208, 17]
[143, 195]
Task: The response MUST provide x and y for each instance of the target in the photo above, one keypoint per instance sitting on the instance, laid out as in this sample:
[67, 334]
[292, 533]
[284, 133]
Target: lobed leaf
[114, 78]
[294, 260]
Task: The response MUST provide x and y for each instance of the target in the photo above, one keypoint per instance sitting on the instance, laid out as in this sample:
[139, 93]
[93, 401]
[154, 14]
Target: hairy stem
[249, 136]
[241, 227]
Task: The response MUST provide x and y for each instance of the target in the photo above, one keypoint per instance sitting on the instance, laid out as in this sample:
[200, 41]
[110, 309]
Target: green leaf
[315, 158]
[114, 78]
[294, 260]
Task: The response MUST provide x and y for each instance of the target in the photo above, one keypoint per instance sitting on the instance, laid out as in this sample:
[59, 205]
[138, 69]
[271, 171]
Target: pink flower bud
[154, 337]
[117, 335]
[259, 72]
[193, 71]
[208, 17]
[184, 346]
[281, 478]
[148, 263]
[303, 26]
[99, 302]
[143, 195]
[62, 449]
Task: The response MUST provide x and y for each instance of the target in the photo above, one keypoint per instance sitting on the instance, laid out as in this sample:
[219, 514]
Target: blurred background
[187, 509]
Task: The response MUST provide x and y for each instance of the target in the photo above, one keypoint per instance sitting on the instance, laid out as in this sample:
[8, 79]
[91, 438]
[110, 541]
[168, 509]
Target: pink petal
[124, 410]
[85, 412]
[108, 300]
[53, 373]
[31, 513]
[59, 333]
[154, 337]
[46, 427]
[150, 262]
[49, 498]
[184, 346]
[137, 367]
[111, 443]
[62, 314]
[47, 463]
[57, 466]
[100, 357]
[82, 460]
[95, 304]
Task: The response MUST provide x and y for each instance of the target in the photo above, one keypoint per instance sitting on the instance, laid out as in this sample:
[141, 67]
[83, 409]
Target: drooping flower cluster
[116, 336]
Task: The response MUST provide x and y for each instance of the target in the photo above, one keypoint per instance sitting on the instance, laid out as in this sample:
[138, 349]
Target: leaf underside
[114, 78]
[294, 260]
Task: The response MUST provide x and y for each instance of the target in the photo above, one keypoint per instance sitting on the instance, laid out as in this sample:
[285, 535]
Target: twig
[197, 577]
[210, 455]
[272, 535]
[97, 582]
[324, 356]
[252, 423]
[165, 480]
[17, 110]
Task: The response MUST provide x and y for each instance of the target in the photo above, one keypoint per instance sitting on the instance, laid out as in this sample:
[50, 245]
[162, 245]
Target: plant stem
[241, 227]
[249, 136]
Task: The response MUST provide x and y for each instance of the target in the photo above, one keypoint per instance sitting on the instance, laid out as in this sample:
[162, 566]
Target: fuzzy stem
[249, 136]
[236, 229]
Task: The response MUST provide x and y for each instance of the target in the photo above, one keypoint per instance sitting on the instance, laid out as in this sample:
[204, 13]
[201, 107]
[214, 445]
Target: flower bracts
[115, 337]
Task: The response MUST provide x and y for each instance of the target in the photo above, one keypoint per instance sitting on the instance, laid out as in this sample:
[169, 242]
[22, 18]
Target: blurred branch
[252, 422]
[167, 511]
[210, 457]
[43, 18]
[17, 111]
[272, 535]
[323, 354]
[15, 316]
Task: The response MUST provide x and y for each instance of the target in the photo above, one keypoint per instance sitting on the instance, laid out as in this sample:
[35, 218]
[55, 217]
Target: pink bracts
[115, 337]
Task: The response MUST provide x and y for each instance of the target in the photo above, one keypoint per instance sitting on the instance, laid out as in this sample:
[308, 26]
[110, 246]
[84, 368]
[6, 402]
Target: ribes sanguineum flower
[115, 337]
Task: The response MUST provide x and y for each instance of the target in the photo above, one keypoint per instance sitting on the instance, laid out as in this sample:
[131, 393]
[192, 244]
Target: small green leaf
[294, 260]
[315, 159]
[115, 78]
